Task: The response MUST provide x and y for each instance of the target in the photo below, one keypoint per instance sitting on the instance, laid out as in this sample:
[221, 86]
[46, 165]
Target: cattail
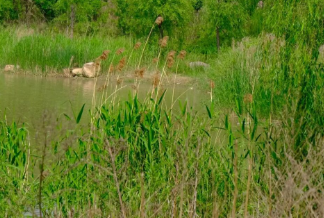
[212, 84]
[137, 45]
[156, 80]
[248, 98]
[170, 58]
[155, 60]
[111, 68]
[159, 20]
[119, 51]
[119, 81]
[104, 55]
[182, 54]
[172, 54]
[140, 72]
[121, 64]
[170, 62]
[164, 41]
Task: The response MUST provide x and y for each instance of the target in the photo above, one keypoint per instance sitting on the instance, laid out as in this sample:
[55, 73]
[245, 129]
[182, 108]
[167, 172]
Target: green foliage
[228, 17]
[7, 11]
[82, 14]
[14, 157]
[197, 4]
[5, 6]
[137, 16]
[47, 8]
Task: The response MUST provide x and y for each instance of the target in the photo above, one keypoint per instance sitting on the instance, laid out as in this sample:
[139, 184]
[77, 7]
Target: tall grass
[186, 164]
[47, 52]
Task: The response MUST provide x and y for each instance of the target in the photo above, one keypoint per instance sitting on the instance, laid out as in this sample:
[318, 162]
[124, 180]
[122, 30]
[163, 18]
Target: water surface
[26, 98]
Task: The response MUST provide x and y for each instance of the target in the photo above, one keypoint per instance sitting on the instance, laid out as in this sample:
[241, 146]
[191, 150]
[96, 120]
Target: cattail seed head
[121, 64]
[120, 51]
[140, 72]
[170, 58]
[172, 54]
[212, 84]
[182, 54]
[156, 79]
[119, 81]
[159, 20]
[104, 55]
[170, 62]
[164, 41]
[137, 45]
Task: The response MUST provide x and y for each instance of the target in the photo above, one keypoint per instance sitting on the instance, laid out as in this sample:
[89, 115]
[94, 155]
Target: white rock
[90, 70]
[198, 64]
[9, 67]
[77, 72]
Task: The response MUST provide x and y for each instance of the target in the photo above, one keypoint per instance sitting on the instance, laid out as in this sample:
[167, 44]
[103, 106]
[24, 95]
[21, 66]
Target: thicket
[204, 25]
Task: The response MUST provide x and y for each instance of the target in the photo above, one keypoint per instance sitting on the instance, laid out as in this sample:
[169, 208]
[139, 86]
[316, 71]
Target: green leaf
[67, 117]
[226, 121]
[80, 114]
[208, 111]
[161, 98]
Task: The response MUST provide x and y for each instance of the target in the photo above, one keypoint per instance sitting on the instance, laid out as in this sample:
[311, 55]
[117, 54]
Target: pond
[26, 98]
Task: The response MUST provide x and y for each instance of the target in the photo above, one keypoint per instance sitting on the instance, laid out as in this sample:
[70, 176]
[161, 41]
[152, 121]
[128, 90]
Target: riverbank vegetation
[256, 150]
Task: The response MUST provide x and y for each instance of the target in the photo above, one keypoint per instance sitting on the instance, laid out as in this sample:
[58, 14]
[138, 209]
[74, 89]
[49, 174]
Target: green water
[27, 98]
